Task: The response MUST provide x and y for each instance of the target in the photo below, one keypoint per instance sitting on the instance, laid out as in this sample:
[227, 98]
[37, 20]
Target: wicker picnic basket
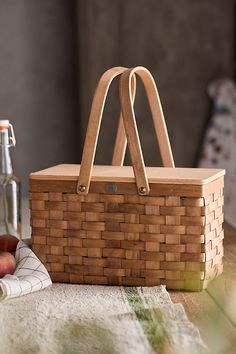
[121, 225]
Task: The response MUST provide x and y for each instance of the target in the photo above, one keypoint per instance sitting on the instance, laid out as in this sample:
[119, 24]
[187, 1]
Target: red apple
[8, 243]
[7, 263]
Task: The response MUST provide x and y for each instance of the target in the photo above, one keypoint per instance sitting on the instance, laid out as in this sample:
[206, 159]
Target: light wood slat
[156, 110]
[198, 176]
[120, 145]
[121, 140]
[131, 126]
[194, 192]
[93, 128]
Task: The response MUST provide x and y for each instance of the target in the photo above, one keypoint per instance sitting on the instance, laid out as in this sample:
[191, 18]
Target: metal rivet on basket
[142, 190]
[82, 188]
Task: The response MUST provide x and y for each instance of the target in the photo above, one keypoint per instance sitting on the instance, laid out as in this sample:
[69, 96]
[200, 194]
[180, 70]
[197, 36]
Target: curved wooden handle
[94, 123]
[121, 142]
[121, 139]
[131, 127]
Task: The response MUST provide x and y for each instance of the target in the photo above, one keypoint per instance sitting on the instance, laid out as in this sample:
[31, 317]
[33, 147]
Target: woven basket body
[128, 225]
[114, 236]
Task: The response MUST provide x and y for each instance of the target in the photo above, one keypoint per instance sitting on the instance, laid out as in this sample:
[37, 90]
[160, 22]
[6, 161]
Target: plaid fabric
[30, 275]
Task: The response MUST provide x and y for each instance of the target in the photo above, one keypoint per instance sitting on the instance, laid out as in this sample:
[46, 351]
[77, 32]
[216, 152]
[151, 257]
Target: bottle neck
[5, 156]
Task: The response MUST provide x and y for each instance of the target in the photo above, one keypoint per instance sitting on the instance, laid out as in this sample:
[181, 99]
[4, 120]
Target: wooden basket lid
[166, 175]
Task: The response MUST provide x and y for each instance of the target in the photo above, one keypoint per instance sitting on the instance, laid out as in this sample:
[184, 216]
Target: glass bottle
[10, 218]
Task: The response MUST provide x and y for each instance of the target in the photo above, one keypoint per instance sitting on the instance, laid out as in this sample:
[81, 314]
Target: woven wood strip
[129, 189]
[126, 239]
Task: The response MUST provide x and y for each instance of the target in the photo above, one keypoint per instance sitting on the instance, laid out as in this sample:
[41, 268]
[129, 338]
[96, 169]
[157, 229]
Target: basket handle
[120, 144]
[131, 127]
[121, 140]
[94, 123]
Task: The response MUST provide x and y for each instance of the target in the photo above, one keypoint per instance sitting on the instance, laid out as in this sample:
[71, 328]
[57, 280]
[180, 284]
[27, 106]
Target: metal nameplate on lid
[111, 187]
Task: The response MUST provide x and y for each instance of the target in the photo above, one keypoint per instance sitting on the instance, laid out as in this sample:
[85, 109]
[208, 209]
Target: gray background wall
[52, 53]
[38, 86]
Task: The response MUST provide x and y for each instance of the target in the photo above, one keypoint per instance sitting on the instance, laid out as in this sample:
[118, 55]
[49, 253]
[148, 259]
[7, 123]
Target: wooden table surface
[214, 310]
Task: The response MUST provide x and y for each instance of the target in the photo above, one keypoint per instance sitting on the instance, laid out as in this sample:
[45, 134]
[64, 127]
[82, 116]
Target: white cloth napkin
[30, 275]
